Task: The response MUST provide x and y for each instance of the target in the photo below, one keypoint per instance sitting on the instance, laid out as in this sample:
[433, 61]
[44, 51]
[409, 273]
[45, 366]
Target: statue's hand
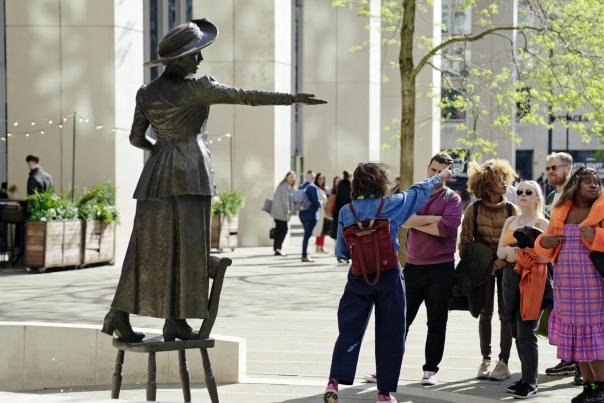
[308, 99]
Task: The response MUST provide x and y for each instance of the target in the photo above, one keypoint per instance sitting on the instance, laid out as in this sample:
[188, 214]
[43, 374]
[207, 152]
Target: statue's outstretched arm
[214, 92]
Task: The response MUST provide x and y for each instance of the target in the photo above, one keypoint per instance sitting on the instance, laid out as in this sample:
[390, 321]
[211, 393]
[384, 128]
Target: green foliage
[228, 204]
[12, 188]
[99, 204]
[49, 206]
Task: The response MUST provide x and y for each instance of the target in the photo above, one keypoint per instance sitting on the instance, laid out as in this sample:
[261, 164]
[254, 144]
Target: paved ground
[286, 310]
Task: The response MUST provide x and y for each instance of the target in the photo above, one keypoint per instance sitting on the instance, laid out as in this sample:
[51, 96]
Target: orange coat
[594, 219]
[533, 275]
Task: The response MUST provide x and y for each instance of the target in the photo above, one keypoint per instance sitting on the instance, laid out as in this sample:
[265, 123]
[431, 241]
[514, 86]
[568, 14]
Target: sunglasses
[553, 167]
[527, 192]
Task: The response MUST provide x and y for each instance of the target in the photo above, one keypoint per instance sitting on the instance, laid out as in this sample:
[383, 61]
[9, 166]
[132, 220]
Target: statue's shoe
[178, 329]
[118, 322]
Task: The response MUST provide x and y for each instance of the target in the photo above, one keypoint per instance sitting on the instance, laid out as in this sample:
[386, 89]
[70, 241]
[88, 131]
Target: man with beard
[559, 167]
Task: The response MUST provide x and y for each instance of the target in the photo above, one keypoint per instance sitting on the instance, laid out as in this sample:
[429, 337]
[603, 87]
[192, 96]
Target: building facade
[72, 68]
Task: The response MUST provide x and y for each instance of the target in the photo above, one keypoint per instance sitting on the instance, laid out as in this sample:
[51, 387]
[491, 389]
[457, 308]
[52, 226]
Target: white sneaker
[500, 372]
[483, 371]
[429, 378]
[371, 378]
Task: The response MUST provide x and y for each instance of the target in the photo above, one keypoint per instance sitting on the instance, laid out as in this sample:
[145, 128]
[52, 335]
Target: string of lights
[32, 127]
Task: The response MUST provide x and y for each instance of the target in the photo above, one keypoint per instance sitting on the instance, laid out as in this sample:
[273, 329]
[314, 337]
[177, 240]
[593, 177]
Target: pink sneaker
[331, 393]
[386, 398]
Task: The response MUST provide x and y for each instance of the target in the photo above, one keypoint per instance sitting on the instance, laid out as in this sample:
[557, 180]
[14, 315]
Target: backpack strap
[475, 207]
[379, 210]
[509, 208]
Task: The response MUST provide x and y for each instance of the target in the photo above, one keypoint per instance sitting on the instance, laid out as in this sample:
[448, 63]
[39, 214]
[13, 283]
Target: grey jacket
[282, 202]
[177, 108]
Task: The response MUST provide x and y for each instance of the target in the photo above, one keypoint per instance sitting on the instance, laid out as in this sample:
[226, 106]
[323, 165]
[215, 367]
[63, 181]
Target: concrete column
[67, 56]
[346, 131]
[253, 51]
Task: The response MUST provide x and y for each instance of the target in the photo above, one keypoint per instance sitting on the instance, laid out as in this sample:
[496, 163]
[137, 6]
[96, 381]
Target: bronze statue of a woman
[165, 271]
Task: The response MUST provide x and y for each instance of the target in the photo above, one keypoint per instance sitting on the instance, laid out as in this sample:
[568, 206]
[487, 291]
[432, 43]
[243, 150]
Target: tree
[552, 68]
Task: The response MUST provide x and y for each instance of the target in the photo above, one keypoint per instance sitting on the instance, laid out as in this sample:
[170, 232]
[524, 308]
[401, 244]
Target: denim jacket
[397, 208]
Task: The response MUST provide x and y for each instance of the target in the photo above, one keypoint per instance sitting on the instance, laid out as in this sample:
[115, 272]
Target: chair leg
[151, 384]
[116, 383]
[184, 375]
[210, 381]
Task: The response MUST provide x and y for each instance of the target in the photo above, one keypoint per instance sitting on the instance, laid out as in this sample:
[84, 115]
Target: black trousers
[431, 284]
[522, 330]
[280, 233]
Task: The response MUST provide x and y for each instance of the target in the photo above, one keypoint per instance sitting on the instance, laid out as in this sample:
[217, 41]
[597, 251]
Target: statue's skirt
[165, 274]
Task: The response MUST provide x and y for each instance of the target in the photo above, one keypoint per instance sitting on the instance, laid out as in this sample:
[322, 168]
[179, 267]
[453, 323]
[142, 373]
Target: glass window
[189, 10]
[172, 13]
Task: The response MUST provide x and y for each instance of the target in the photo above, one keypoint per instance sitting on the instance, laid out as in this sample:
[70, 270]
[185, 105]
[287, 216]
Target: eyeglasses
[554, 167]
[527, 192]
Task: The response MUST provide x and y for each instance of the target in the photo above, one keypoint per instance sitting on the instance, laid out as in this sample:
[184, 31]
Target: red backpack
[370, 246]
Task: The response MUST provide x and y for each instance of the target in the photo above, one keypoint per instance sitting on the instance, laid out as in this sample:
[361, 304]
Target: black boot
[597, 393]
[119, 322]
[178, 329]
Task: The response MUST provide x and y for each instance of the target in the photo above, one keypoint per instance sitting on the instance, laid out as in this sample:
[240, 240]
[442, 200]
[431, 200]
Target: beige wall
[83, 56]
[346, 131]
[253, 51]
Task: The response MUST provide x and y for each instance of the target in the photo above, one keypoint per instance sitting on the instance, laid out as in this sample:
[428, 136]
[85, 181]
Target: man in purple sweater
[430, 264]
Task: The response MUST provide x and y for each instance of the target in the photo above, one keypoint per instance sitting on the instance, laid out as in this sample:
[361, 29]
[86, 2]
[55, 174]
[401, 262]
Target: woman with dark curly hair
[369, 190]
[483, 221]
[575, 325]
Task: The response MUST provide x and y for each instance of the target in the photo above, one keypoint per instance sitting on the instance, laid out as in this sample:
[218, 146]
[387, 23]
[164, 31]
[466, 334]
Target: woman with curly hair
[575, 324]
[483, 221]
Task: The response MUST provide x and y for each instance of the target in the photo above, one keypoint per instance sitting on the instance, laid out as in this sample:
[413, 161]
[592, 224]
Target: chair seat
[158, 344]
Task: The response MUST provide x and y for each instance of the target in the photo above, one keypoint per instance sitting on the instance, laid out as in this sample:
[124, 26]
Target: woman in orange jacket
[575, 325]
[523, 323]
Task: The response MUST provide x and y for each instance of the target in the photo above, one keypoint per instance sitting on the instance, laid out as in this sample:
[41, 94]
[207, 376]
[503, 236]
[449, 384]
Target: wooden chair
[217, 270]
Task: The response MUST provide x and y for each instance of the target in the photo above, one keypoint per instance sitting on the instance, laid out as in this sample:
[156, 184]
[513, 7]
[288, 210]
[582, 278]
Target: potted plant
[52, 232]
[225, 219]
[99, 215]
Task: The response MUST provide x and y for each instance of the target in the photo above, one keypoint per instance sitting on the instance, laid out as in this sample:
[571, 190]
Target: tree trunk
[407, 133]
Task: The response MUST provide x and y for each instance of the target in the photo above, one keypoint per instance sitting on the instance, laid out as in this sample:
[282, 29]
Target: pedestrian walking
[322, 227]
[575, 324]
[370, 201]
[281, 210]
[483, 221]
[533, 281]
[309, 213]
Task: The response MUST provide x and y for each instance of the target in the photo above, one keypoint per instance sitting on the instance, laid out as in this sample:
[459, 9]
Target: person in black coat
[343, 197]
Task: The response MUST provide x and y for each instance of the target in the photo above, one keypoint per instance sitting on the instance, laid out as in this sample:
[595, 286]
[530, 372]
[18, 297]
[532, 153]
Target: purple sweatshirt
[425, 249]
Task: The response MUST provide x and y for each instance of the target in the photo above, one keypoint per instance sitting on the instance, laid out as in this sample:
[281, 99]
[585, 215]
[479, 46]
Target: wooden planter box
[224, 236]
[53, 243]
[98, 242]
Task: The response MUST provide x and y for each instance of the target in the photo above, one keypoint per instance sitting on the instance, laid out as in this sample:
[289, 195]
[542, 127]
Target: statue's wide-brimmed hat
[185, 39]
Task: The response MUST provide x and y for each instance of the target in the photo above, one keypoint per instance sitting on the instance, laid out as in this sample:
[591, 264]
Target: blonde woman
[529, 199]
[489, 182]
[281, 210]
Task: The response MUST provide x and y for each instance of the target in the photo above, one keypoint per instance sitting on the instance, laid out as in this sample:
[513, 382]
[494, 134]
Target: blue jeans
[354, 312]
[308, 225]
